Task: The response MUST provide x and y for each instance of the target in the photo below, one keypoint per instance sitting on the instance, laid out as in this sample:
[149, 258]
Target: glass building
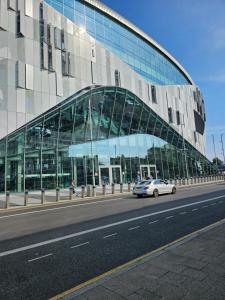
[130, 47]
[134, 110]
[98, 133]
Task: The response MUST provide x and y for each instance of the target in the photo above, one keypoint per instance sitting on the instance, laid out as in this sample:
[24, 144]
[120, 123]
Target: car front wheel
[155, 193]
[174, 190]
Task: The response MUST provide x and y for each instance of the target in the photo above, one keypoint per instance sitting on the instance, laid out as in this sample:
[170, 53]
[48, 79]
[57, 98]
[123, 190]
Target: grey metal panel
[12, 4]
[94, 73]
[29, 77]
[20, 70]
[3, 6]
[71, 62]
[29, 8]
[45, 56]
[59, 87]
[57, 35]
[3, 21]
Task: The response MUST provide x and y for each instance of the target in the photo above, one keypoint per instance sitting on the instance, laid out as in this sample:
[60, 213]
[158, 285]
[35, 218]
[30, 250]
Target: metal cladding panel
[20, 74]
[29, 8]
[29, 77]
[3, 21]
[12, 4]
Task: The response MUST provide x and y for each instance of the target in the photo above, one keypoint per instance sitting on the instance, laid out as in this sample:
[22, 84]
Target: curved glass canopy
[99, 134]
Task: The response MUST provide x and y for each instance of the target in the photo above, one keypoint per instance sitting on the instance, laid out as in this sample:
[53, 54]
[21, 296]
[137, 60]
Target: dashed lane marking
[110, 235]
[169, 217]
[79, 245]
[152, 222]
[40, 257]
[133, 228]
[183, 213]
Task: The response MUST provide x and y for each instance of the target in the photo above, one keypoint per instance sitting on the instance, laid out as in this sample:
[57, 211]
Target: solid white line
[69, 236]
[58, 208]
[107, 236]
[153, 222]
[183, 213]
[169, 217]
[79, 245]
[40, 257]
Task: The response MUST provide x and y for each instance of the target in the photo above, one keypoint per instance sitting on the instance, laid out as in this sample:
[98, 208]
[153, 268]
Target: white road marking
[110, 235]
[205, 206]
[40, 257]
[213, 204]
[133, 228]
[69, 236]
[79, 245]
[58, 208]
[183, 213]
[169, 217]
[153, 222]
[220, 202]
[194, 209]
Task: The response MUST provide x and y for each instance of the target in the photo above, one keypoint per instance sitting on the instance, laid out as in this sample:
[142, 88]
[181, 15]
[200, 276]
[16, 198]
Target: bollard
[129, 187]
[93, 191]
[179, 181]
[121, 187]
[103, 189]
[42, 196]
[7, 199]
[191, 180]
[71, 193]
[175, 181]
[57, 194]
[82, 191]
[25, 197]
[88, 191]
[183, 181]
[113, 188]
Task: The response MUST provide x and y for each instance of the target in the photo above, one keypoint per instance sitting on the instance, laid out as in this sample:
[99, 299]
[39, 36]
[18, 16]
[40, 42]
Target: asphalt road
[45, 251]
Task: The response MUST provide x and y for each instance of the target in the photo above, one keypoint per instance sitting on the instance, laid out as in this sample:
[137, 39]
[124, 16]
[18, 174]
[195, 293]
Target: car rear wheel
[155, 193]
[174, 190]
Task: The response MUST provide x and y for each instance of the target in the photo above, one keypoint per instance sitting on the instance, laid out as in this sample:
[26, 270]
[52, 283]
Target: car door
[163, 187]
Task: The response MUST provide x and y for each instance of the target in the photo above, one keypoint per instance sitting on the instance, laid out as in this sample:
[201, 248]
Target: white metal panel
[29, 77]
[29, 8]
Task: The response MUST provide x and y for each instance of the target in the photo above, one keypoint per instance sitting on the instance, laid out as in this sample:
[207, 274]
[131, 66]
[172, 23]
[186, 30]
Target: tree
[216, 161]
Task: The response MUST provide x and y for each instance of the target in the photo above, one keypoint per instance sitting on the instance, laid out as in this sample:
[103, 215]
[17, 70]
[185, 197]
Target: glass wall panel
[2, 165]
[106, 130]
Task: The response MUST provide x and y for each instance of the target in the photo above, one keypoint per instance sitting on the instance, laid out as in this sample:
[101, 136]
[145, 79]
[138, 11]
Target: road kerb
[81, 288]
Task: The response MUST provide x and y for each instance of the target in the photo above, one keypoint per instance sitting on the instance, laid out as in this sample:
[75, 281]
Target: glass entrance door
[110, 174]
[104, 175]
[116, 174]
[148, 171]
[144, 172]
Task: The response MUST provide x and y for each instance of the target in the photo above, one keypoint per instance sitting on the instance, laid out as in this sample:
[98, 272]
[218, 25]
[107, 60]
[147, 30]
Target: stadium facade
[86, 95]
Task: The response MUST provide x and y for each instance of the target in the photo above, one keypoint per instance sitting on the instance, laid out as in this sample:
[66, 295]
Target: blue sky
[193, 31]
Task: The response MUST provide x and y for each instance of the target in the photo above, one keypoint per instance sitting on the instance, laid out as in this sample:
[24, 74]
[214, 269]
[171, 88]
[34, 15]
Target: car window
[145, 182]
[157, 182]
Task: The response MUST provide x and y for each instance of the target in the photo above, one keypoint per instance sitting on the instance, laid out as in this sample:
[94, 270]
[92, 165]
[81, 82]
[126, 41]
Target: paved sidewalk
[192, 268]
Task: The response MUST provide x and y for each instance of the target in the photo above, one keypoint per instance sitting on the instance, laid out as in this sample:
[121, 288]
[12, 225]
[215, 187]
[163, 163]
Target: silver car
[153, 188]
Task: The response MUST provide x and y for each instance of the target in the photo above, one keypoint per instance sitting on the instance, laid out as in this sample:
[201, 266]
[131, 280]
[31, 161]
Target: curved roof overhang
[111, 13]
